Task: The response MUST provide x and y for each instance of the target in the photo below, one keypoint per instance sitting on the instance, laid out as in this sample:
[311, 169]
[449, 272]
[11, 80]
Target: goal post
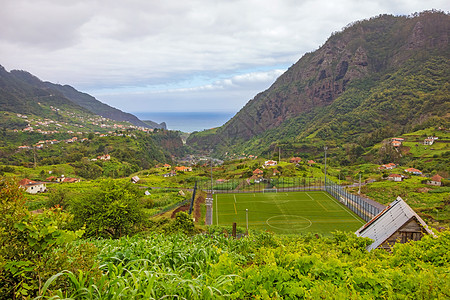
[272, 190]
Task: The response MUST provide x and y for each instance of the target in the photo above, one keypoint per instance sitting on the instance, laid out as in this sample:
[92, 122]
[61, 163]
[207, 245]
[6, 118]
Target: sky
[172, 55]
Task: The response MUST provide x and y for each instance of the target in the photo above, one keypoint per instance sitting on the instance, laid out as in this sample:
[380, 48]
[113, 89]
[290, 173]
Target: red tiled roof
[437, 178]
[258, 171]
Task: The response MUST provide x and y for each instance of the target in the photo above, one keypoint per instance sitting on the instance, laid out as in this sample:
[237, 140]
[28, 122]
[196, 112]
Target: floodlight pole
[246, 220]
[210, 158]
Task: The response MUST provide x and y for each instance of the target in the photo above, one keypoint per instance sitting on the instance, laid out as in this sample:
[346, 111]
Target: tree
[111, 210]
[28, 244]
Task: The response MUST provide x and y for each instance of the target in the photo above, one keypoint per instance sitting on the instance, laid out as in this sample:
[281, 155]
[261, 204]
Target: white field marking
[344, 209]
[279, 222]
[217, 211]
[234, 198]
[235, 211]
[317, 202]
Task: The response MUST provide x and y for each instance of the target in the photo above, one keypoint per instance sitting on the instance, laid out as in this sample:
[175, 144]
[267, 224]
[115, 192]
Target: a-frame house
[398, 223]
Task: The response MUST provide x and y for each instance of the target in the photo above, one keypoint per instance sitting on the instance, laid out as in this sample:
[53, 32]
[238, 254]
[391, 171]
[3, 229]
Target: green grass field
[285, 213]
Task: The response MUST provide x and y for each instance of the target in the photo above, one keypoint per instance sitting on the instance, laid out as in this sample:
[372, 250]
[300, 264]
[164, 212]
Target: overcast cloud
[171, 55]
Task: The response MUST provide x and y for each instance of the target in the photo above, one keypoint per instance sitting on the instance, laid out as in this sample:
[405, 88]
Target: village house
[389, 166]
[311, 162]
[170, 174]
[32, 187]
[63, 179]
[258, 172]
[135, 179]
[270, 163]
[396, 144]
[276, 172]
[395, 177]
[167, 166]
[104, 157]
[398, 223]
[413, 171]
[295, 160]
[401, 140]
[183, 169]
[255, 178]
[428, 141]
[71, 180]
[435, 180]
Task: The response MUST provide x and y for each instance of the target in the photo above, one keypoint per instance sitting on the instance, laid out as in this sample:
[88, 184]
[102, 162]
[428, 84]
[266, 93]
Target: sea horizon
[187, 121]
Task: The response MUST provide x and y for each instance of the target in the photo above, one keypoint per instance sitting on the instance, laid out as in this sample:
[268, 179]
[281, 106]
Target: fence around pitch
[234, 186]
[365, 208]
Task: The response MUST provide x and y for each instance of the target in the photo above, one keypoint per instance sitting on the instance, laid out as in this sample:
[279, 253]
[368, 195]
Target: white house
[395, 177]
[32, 187]
[270, 163]
[428, 142]
[435, 180]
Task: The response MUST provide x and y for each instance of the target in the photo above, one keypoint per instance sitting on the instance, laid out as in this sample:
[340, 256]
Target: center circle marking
[291, 221]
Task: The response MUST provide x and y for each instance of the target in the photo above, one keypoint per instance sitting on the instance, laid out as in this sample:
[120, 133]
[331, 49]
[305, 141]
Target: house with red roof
[395, 177]
[396, 144]
[388, 166]
[435, 180]
[183, 169]
[104, 157]
[428, 141]
[270, 163]
[401, 140]
[258, 172]
[32, 187]
[295, 160]
[413, 171]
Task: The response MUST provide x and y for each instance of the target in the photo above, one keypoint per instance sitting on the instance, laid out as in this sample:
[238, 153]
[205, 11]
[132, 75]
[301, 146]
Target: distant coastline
[187, 121]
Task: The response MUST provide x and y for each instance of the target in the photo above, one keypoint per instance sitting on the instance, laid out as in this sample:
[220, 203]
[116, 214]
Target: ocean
[187, 121]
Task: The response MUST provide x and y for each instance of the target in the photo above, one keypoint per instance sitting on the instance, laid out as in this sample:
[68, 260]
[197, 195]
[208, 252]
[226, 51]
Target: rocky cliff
[365, 50]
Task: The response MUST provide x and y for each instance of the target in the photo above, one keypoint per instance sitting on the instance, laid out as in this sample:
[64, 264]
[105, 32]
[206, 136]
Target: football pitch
[285, 213]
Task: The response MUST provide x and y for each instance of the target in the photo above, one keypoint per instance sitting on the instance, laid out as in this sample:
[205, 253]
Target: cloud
[228, 94]
[198, 45]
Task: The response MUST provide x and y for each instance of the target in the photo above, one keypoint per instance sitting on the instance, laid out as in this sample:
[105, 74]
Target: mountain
[19, 96]
[375, 78]
[20, 92]
[99, 108]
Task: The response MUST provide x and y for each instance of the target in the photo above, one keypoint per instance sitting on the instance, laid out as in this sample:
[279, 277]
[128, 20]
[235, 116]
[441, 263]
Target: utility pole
[359, 191]
[279, 154]
[325, 148]
[34, 156]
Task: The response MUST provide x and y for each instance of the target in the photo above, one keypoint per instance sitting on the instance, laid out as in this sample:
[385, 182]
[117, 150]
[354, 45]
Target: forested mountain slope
[374, 79]
[21, 92]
